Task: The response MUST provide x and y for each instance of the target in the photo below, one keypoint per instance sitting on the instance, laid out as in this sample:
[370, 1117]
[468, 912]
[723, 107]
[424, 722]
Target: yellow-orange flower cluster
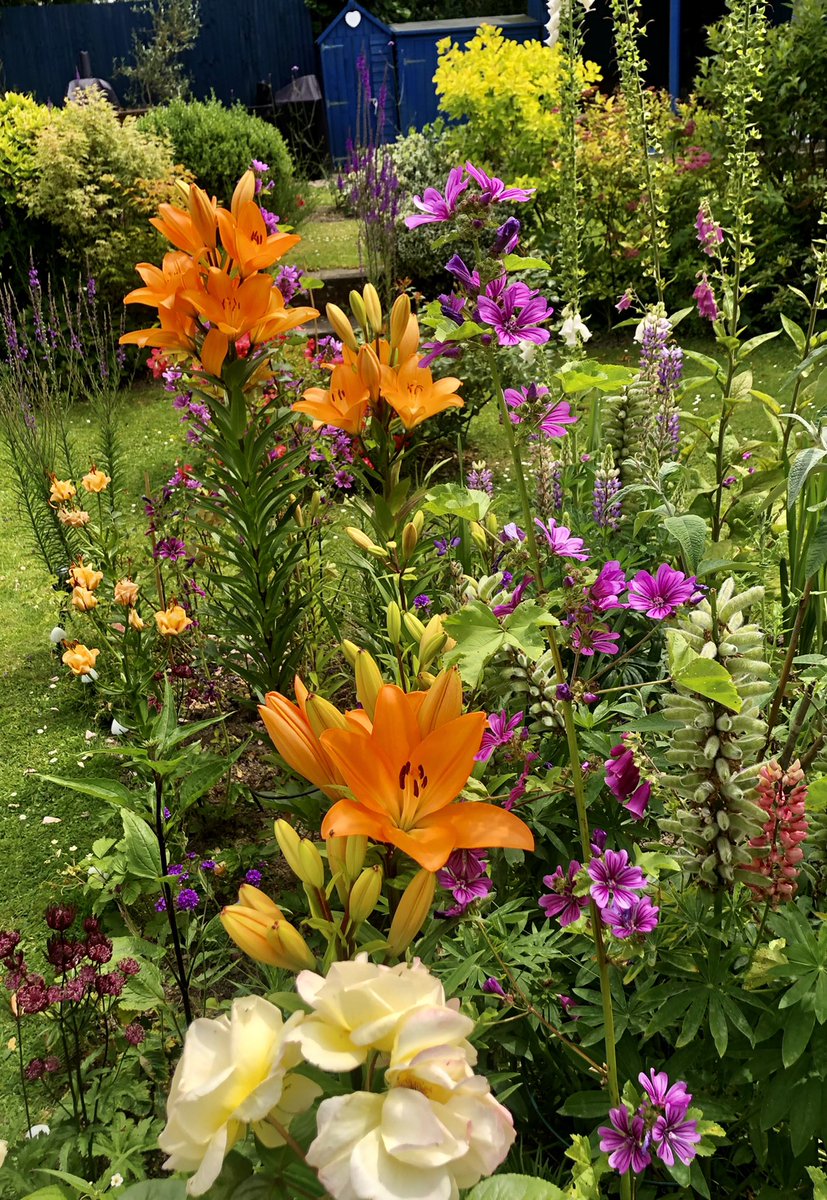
[385, 370]
[210, 293]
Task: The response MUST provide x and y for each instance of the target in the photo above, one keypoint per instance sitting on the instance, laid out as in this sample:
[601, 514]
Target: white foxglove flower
[574, 329]
[58, 635]
[553, 23]
[116, 729]
[38, 1131]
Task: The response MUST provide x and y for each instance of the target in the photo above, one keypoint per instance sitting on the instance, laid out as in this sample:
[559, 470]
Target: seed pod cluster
[626, 424]
[714, 751]
[536, 681]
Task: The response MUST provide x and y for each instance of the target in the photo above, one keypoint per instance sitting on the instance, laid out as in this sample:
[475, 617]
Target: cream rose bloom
[233, 1073]
[435, 1131]
[358, 1008]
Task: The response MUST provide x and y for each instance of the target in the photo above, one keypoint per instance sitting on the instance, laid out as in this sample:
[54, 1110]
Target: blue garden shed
[372, 70]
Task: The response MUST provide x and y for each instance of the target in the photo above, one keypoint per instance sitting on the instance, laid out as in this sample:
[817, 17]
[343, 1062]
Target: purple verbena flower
[561, 902]
[253, 876]
[501, 730]
[187, 899]
[422, 602]
[614, 880]
[659, 595]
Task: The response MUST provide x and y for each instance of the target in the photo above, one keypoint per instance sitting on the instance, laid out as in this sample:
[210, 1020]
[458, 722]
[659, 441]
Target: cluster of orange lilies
[395, 768]
[385, 369]
[214, 287]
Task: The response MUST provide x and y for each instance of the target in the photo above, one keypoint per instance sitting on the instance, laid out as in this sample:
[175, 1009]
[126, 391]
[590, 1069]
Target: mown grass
[44, 716]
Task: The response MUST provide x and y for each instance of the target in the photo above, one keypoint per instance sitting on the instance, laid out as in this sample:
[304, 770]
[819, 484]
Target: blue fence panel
[238, 45]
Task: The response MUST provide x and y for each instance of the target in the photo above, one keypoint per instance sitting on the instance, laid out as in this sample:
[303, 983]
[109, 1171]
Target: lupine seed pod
[715, 749]
[782, 796]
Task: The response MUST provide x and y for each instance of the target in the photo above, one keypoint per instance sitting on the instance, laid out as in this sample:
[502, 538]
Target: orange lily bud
[368, 682]
[312, 864]
[172, 621]
[400, 316]
[292, 735]
[357, 307]
[342, 327]
[413, 625]
[355, 852]
[364, 895]
[253, 897]
[442, 703]
[433, 641]
[248, 928]
[409, 342]
[323, 715]
[410, 915]
[410, 537]
[370, 372]
[364, 543]
[418, 521]
[291, 950]
[289, 844]
[373, 307]
[245, 191]
[202, 211]
[478, 535]
[350, 650]
[135, 620]
[394, 623]
[83, 600]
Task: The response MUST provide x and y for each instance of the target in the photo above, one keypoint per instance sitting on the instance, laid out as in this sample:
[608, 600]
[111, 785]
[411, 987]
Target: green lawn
[45, 724]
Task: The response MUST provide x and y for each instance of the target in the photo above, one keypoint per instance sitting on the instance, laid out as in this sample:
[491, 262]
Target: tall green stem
[574, 760]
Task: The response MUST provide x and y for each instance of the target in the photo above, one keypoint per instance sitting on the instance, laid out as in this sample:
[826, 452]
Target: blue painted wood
[239, 44]
[356, 102]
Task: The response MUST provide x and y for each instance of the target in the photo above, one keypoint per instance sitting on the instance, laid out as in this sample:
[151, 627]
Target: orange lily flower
[412, 392]
[344, 404]
[405, 784]
[176, 332]
[245, 238]
[163, 285]
[193, 230]
[280, 319]
[293, 736]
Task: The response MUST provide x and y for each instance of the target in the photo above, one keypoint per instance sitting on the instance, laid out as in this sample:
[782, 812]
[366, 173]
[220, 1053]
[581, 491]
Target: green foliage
[157, 74]
[217, 144]
[21, 120]
[98, 180]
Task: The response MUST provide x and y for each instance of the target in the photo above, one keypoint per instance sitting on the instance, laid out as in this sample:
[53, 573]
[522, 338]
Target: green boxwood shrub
[217, 144]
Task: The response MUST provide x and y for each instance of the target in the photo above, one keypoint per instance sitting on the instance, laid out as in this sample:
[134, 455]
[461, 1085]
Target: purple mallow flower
[468, 278]
[624, 1141]
[507, 237]
[465, 876]
[561, 901]
[640, 918]
[560, 540]
[657, 1088]
[614, 880]
[556, 418]
[606, 590]
[493, 987]
[501, 730]
[624, 782]
[589, 640]
[675, 1137]
[515, 315]
[434, 207]
[507, 607]
[659, 595]
[493, 189]
[171, 549]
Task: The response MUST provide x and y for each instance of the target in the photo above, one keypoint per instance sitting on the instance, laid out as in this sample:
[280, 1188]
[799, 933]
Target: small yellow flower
[126, 592]
[74, 517]
[84, 600]
[135, 621]
[96, 480]
[172, 621]
[80, 659]
[61, 490]
[84, 577]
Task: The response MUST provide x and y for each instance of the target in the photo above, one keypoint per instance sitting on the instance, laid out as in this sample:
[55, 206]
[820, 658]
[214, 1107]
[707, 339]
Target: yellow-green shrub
[98, 183]
[508, 94]
[21, 119]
